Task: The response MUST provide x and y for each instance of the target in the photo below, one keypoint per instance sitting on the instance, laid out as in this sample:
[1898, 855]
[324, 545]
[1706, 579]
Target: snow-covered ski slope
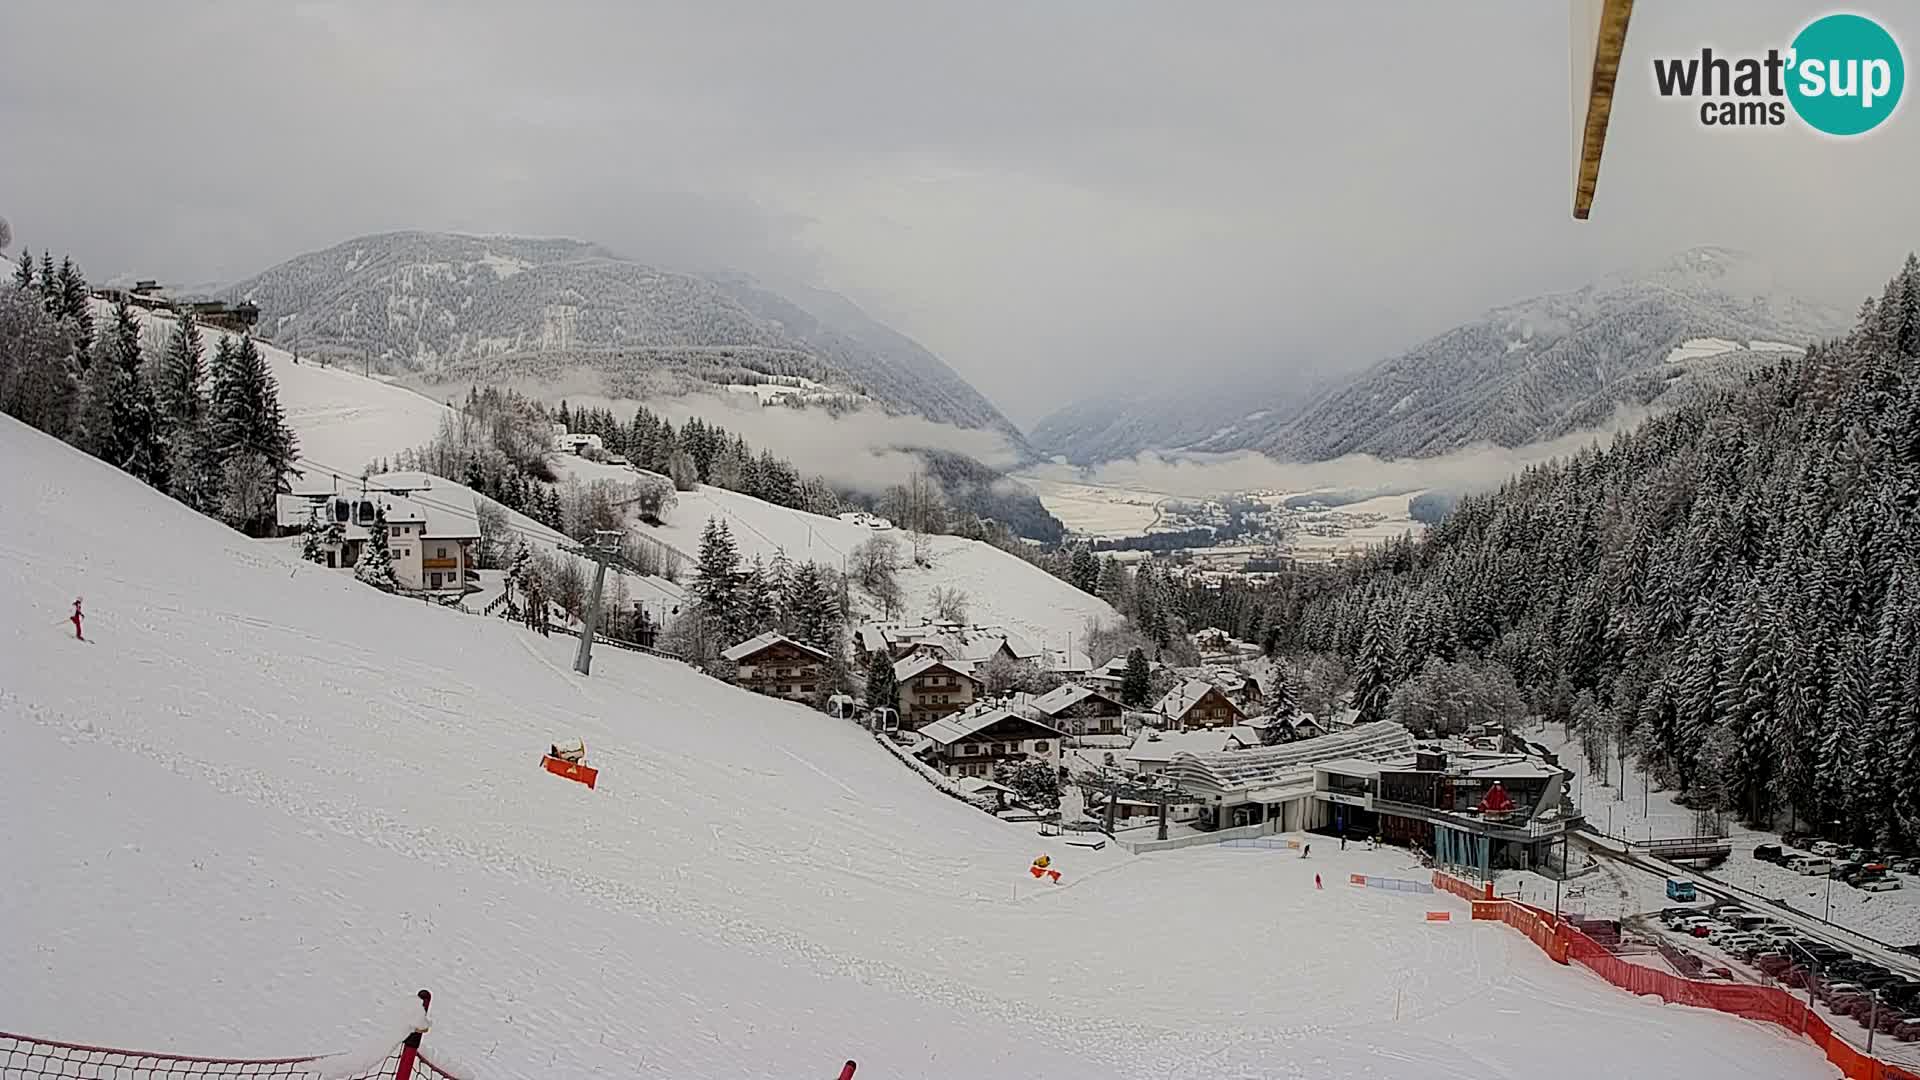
[266, 803]
[1001, 590]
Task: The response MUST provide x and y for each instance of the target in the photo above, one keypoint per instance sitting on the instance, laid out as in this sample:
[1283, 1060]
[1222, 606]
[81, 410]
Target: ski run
[269, 803]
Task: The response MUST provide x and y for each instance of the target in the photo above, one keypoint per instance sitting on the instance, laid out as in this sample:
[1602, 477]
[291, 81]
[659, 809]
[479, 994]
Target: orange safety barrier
[1771, 1004]
[585, 774]
[1356, 879]
[1439, 916]
[1462, 889]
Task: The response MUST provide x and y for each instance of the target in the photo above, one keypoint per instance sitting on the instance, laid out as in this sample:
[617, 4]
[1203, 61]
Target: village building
[1153, 750]
[1372, 779]
[1198, 703]
[930, 688]
[971, 744]
[778, 666]
[577, 443]
[1080, 710]
[431, 527]
[976, 644]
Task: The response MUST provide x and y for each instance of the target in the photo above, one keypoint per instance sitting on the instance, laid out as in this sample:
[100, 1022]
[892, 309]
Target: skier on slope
[1306, 851]
[75, 620]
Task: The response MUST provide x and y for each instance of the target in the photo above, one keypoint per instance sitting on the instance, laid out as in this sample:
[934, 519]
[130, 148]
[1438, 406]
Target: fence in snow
[1563, 943]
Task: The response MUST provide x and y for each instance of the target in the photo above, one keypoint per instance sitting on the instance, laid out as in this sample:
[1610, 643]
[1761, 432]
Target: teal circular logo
[1846, 74]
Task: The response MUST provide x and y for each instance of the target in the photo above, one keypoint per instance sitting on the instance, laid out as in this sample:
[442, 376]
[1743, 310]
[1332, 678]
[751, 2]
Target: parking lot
[1722, 939]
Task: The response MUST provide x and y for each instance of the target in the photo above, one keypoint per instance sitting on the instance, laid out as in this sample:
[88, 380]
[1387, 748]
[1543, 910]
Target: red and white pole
[410, 1049]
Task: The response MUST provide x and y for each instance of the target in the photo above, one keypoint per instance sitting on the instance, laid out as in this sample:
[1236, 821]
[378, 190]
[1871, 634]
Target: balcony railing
[1504, 830]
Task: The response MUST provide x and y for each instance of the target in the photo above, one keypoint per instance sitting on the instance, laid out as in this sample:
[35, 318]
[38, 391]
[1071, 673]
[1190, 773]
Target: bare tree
[949, 605]
[494, 530]
[873, 566]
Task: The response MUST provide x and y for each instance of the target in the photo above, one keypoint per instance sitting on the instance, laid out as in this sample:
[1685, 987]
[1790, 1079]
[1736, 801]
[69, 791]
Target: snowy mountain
[422, 300]
[266, 804]
[1520, 373]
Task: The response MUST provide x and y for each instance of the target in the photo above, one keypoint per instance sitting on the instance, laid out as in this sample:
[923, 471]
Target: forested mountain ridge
[1523, 372]
[1730, 591]
[421, 300]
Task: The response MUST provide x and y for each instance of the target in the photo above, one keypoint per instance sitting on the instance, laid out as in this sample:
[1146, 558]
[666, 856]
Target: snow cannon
[567, 759]
[1043, 868]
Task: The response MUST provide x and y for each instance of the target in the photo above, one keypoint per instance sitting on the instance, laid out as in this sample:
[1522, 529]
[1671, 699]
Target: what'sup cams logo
[1842, 76]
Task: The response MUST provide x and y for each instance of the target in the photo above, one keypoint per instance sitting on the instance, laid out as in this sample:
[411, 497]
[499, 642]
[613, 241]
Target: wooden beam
[1610, 43]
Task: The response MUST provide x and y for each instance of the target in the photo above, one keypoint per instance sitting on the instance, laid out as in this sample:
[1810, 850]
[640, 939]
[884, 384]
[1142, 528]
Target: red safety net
[23, 1057]
[1768, 1004]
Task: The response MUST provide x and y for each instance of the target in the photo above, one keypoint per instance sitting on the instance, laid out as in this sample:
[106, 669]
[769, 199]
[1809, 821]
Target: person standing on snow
[1306, 851]
[75, 620]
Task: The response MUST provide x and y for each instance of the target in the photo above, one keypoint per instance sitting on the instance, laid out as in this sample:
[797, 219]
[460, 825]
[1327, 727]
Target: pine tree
[882, 690]
[246, 422]
[23, 273]
[1084, 571]
[813, 610]
[1281, 696]
[1373, 676]
[49, 284]
[71, 303]
[310, 539]
[756, 612]
[376, 559]
[1136, 683]
[715, 576]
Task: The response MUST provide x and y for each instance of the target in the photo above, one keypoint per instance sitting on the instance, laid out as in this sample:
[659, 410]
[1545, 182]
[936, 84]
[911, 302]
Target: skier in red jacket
[75, 619]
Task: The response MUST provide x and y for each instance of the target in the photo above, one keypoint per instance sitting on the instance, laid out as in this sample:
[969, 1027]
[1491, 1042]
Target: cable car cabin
[1680, 890]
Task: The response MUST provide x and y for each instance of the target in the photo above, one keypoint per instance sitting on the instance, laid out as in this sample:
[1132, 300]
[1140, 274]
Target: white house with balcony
[432, 526]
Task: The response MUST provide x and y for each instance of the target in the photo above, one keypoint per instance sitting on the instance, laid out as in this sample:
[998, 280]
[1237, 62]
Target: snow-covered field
[1002, 590]
[1703, 348]
[267, 802]
[1093, 509]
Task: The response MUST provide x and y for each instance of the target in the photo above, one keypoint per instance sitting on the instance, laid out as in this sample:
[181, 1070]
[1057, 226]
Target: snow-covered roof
[1246, 770]
[871, 638]
[761, 641]
[1184, 697]
[1154, 746]
[1356, 767]
[920, 664]
[974, 785]
[951, 729]
[1065, 696]
[1514, 770]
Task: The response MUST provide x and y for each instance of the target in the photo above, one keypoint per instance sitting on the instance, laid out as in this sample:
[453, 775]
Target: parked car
[1772, 963]
[1907, 1030]
[1839, 994]
[1825, 848]
[1816, 867]
[1768, 853]
[1880, 884]
[1681, 889]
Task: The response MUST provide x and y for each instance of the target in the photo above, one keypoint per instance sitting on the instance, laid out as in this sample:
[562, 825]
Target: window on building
[1040, 747]
[442, 555]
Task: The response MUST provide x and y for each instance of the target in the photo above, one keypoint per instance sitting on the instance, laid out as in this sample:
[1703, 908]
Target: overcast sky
[1052, 195]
